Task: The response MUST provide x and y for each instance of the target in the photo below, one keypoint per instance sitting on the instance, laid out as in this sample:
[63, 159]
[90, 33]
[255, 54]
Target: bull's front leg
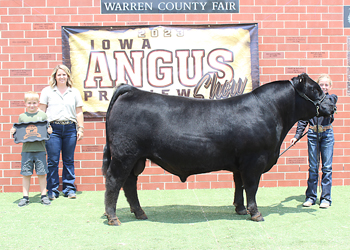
[238, 201]
[252, 207]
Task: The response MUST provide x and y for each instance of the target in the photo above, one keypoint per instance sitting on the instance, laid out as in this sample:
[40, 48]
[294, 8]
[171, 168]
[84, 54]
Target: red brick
[265, 2]
[332, 32]
[273, 176]
[207, 177]
[296, 176]
[20, 11]
[10, 19]
[198, 185]
[332, 2]
[85, 172]
[36, 19]
[36, 34]
[12, 34]
[34, 3]
[85, 187]
[288, 183]
[55, 3]
[12, 49]
[20, 42]
[20, 26]
[12, 189]
[225, 177]
[5, 181]
[12, 173]
[161, 178]
[169, 186]
[92, 180]
[268, 183]
[44, 11]
[153, 186]
[153, 170]
[221, 184]
[66, 11]
[197, 18]
[20, 57]
[288, 32]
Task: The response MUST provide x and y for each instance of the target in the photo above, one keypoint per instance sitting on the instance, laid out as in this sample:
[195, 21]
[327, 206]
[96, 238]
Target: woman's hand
[49, 130]
[80, 134]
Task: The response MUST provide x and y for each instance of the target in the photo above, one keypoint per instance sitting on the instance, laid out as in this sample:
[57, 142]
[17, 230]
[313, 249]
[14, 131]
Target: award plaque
[31, 131]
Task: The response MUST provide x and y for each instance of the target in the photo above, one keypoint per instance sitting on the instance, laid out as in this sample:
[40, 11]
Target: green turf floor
[178, 219]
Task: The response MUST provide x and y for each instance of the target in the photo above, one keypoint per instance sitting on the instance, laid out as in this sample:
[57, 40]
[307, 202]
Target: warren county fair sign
[202, 61]
[164, 7]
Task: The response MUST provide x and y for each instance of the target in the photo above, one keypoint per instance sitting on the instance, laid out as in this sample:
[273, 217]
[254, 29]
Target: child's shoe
[23, 202]
[45, 201]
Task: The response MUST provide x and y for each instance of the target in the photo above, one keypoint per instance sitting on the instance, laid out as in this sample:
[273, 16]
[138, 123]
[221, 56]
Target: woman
[63, 106]
[324, 134]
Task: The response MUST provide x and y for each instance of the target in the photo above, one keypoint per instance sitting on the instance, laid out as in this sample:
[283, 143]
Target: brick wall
[294, 36]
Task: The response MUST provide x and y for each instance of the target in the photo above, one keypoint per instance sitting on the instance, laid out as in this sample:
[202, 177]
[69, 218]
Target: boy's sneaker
[23, 202]
[45, 201]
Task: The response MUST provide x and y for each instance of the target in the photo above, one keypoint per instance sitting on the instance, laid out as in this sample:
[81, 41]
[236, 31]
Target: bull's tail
[121, 89]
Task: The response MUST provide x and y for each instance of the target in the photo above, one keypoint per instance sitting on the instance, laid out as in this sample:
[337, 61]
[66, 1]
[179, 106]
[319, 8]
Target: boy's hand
[49, 130]
[12, 131]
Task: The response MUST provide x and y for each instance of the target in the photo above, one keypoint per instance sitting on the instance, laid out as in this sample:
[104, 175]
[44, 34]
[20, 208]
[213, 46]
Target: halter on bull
[186, 136]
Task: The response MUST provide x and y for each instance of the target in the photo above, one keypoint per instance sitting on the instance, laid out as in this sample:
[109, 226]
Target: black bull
[188, 136]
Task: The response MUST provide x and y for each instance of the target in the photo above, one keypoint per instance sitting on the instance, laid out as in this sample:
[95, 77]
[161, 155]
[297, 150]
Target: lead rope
[293, 144]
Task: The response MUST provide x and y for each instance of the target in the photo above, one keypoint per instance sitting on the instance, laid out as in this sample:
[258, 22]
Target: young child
[324, 147]
[33, 153]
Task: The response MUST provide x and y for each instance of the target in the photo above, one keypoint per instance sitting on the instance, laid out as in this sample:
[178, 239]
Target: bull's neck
[280, 101]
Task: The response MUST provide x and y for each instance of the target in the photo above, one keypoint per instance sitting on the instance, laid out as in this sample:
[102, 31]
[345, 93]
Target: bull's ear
[302, 77]
[300, 83]
[295, 80]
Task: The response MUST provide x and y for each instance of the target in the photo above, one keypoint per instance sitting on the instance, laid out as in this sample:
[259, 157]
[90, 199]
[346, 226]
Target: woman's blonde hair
[53, 82]
[325, 76]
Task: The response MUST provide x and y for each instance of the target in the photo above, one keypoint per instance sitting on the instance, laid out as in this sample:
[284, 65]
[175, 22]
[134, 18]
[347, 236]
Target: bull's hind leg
[239, 199]
[130, 190]
[116, 175]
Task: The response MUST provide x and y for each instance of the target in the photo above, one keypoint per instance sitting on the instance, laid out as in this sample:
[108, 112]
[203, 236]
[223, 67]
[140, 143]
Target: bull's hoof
[114, 221]
[241, 210]
[140, 214]
[141, 217]
[258, 217]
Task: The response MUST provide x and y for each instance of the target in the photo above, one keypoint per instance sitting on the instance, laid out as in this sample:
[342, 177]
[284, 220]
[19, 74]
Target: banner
[169, 6]
[207, 61]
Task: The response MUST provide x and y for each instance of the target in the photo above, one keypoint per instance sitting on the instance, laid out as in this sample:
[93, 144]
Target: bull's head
[312, 92]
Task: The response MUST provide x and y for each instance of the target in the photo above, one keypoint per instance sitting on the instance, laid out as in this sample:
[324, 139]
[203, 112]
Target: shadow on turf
[37, 198]
[179, 214]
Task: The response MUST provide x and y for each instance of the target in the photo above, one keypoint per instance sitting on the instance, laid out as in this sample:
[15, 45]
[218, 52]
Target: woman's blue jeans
[63, 139]
[326, 144]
